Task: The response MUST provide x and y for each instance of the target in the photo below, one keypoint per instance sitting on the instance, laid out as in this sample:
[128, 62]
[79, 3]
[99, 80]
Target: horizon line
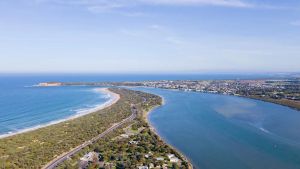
[150, 73]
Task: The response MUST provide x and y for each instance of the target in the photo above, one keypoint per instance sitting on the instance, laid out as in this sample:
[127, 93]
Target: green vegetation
[131, 146]
[140, 147]
[285, 102]
[36, 148]
[118, 152]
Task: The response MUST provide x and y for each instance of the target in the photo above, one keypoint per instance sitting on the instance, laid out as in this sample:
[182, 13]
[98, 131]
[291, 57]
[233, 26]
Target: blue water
[214, 131]
[227, 132]
[23, 107]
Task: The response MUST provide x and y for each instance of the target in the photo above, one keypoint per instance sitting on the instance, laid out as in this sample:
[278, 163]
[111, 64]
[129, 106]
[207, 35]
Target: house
[89, 157]
[170, 155]
[133, 142]
[174, 160]
[151, 165]
[160, 159]
[125, 135]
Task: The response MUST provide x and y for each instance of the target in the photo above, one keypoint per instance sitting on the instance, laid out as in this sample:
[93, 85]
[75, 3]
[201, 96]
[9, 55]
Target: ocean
[24, 107]
[213, 131]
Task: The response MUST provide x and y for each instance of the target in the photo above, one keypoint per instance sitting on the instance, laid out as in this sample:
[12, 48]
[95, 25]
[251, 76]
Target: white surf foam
[79, 113]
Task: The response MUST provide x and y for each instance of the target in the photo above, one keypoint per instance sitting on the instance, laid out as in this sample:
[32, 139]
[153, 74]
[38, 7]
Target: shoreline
[146, 116]
[114, 97]
[242, 96]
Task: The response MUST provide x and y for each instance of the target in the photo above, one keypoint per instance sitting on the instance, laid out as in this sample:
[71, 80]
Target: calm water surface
[226, 132]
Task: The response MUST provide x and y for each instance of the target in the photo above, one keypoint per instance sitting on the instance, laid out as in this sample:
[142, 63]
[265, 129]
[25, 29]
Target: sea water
[24, 107]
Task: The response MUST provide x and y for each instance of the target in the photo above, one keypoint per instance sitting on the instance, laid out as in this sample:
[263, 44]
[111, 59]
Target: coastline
[267, 100]
[37, 148]
[146, 115]
[274, 102]
[114, 97]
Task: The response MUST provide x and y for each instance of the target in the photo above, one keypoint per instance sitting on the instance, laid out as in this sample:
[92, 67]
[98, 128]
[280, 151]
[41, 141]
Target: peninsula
[285, 91]
[116, 136]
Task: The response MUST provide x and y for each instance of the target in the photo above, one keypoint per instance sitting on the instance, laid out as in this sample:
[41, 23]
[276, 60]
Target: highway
[54, 163]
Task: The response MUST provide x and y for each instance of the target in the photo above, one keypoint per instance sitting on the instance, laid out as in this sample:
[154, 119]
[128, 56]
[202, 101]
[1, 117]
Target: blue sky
[113, 36]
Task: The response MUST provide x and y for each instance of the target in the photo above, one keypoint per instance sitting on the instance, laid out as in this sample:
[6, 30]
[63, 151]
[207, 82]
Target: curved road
[54, 163]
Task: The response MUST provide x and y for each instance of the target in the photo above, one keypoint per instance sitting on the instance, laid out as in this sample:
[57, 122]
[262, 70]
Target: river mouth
[221, 132]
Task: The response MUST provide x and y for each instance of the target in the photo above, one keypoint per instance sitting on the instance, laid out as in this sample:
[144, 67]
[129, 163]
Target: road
[54, 163]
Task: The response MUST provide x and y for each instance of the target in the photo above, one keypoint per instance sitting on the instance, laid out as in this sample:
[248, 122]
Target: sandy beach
[113, 99]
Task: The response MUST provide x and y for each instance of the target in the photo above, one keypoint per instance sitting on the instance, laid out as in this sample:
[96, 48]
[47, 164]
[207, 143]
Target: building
[170, 155]
[125, 135]
[89, 157]
[151, 165]
[133, 142]
[160, 159]
[173, 158]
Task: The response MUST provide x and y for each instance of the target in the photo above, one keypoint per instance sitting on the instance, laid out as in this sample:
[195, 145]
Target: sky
[149, 36]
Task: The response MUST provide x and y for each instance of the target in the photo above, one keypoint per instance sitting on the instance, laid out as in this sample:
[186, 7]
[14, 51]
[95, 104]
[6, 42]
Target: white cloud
[105, 7]
[227, 3]
[116, 5]
[129, 7]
